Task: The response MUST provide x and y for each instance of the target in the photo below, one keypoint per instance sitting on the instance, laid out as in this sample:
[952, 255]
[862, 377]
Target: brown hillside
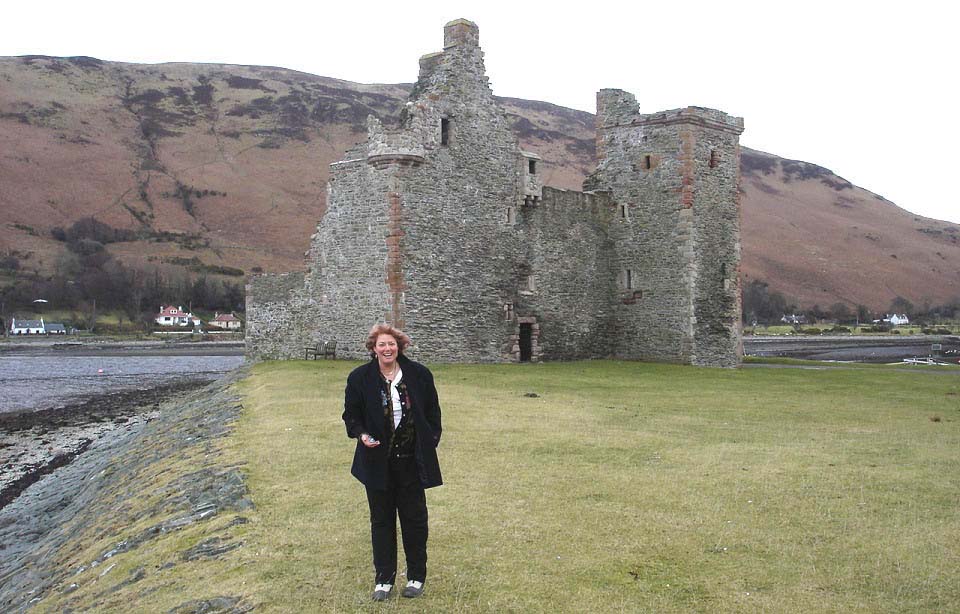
[227, 165]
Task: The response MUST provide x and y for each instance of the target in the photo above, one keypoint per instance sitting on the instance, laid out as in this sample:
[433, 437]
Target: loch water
[44, 381]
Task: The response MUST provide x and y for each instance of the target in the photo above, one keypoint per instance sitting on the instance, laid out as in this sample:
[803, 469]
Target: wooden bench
[327, 349]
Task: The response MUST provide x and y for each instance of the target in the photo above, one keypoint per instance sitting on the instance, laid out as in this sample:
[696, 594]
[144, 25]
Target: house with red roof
[176, 316]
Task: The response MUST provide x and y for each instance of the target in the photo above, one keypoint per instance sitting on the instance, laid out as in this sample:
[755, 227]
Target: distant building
[226, 321]
[55, 328]
[897, 319]
[794, 319]
[176, 316]
[27, 327]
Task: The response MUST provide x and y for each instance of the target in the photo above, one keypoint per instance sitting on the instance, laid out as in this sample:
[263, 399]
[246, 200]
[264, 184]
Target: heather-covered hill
[208, 167]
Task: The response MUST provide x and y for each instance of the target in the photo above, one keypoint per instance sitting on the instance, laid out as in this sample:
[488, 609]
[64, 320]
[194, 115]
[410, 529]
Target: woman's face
[386, 350]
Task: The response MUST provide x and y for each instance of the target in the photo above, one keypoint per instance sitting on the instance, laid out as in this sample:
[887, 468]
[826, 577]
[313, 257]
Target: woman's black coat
[363, 413]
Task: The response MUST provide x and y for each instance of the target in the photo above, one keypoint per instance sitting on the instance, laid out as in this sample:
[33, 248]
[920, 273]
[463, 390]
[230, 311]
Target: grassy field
[621, 487]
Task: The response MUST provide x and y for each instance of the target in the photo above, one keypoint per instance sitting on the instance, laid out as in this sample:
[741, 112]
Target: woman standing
[391, 408]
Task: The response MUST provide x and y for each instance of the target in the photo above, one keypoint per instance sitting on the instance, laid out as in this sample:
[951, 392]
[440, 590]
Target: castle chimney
[461, 32]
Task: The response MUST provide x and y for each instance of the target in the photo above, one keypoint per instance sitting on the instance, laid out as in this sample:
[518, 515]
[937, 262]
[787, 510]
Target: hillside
[225, 166]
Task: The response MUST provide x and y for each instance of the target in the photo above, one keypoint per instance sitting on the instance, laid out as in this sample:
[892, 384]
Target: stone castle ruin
[444, 229]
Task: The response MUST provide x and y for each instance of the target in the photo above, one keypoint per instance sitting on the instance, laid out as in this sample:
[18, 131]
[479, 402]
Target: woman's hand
[369, 441]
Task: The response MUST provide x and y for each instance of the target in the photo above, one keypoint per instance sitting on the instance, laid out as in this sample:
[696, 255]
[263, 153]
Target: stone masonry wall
[570, 254]
[716, 215]
[272, 323]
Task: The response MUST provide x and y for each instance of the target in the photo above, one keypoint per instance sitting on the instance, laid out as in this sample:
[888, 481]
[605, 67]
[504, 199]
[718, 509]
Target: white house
[897, 319]
[176, 316]
[226, 321]
[27, 327]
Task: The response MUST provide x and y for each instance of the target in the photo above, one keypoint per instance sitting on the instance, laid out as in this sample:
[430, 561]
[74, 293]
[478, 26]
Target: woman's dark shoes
[413, 589]
[381, 592]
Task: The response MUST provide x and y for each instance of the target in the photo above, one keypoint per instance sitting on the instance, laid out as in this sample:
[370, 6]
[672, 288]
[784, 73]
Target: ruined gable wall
[460, 257]
[348, 257]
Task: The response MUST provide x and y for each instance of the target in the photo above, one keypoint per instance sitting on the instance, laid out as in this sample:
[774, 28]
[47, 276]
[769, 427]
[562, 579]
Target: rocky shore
[34, 443]
[117, 475]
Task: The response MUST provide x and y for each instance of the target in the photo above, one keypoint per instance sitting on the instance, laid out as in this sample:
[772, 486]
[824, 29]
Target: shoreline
[34, 443]
[109, 347]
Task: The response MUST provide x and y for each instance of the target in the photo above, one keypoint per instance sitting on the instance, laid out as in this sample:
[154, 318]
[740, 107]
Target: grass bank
[625, 486]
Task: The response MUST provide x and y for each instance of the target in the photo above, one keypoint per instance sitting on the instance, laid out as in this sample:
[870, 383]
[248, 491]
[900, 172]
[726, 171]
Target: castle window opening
[532, 167]
[508, 312]
[714, 160]
[628, 279]
[444, 131]
[531, 283]
[511, 215]
[623, 212]
[646, 162]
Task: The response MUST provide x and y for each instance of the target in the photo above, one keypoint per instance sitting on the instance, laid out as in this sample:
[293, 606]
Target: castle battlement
[617, 108]
[445, 228]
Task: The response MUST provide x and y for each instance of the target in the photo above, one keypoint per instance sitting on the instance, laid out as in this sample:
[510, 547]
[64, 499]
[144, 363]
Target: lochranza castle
[443, 228]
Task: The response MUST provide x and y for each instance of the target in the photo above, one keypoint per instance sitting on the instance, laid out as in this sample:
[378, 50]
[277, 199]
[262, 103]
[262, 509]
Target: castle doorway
[526, 342]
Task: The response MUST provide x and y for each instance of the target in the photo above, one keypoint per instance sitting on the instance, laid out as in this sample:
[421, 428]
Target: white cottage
[27, 327]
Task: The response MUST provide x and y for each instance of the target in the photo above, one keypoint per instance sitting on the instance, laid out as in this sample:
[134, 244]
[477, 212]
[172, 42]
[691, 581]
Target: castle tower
[674, 177]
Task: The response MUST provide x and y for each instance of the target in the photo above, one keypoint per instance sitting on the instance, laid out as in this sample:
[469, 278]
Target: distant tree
[863, 314]
[234, 297]
[901, 305]
[841, 312]
[815, 314]
[762, 304]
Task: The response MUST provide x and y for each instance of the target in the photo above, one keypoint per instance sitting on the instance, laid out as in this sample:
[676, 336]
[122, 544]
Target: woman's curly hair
[403, 340]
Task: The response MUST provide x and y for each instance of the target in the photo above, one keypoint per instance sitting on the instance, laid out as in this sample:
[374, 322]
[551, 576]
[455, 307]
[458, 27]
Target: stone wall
[273, 328]
[570, 253]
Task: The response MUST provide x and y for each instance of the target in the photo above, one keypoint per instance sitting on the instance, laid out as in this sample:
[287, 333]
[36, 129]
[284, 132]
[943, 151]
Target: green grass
[626, 486]
[619, 487]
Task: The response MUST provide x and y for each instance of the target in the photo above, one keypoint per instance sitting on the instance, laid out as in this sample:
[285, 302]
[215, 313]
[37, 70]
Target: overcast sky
[866, 89]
